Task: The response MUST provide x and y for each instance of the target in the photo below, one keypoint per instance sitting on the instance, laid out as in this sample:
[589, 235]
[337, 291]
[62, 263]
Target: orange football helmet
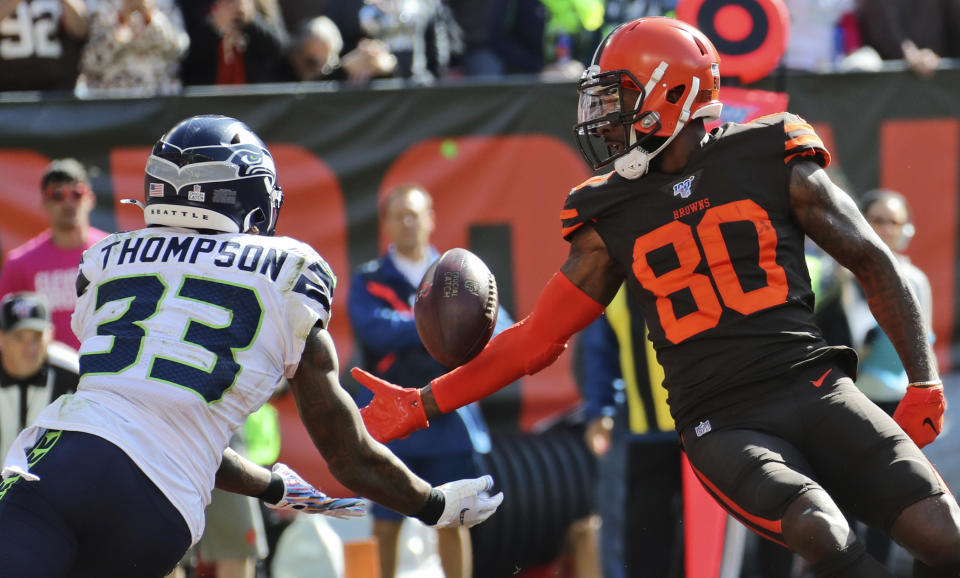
[673, 68]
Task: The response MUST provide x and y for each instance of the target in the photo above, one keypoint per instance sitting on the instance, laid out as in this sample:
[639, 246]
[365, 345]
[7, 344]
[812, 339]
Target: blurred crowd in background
[151, 47]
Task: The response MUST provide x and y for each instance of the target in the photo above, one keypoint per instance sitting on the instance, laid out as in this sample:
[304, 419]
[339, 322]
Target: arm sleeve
[561, 310]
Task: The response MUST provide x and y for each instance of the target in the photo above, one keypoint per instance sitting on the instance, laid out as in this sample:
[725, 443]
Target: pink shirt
[39, 265]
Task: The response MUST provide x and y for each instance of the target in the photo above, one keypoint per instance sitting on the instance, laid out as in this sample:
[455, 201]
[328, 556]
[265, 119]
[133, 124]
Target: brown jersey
[715, 258]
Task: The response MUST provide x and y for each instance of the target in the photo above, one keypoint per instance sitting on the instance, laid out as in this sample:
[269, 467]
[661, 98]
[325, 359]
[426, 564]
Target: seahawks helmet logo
[210, 164]
[251, 158]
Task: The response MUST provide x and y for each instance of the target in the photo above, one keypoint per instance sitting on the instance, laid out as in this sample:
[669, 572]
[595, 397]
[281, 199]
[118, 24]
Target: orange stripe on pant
[769, 529]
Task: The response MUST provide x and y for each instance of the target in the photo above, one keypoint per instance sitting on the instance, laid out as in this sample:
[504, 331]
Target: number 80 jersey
[714, 257]
[183, 335]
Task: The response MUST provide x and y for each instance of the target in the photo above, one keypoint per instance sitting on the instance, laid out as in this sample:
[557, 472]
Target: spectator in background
[346, 15]
[630, 430]
[822, 34]
[422, 34]
[616, 12]
[573, 29]
[34, 369]
[296, 12]
[40, 43]
[48, 262]
[551, 38]
[917, 32]
[315, 55]
[314, 52]
[233, 42]
[380, 306]
[134, 45]
[478, 57]
[516, 34]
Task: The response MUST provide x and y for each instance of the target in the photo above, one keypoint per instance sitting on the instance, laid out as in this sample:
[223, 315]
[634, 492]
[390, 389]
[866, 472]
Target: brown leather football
[456, 307]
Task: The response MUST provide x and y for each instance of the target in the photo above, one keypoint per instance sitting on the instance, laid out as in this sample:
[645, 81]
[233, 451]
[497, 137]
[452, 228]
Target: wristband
[432, 509]
[925, 384]
[275, 490]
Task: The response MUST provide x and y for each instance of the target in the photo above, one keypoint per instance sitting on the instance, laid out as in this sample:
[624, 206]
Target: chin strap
[636, 163]
[632, 165]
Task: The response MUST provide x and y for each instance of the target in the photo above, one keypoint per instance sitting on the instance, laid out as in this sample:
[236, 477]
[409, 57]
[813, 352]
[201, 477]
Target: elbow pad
[523, 349]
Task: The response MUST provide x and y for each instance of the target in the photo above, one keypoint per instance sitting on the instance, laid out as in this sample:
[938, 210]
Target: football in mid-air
[456, 307]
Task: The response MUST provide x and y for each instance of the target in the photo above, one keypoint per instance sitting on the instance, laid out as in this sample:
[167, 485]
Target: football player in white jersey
[187, 326]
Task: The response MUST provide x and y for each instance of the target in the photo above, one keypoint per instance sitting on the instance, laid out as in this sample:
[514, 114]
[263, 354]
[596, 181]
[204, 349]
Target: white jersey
[183, 336]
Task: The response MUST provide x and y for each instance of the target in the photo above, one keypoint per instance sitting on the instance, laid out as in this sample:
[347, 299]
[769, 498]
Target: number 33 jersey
[183, 336]
[715, 258]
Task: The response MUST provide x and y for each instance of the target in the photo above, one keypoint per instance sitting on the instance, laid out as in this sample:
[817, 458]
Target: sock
[851, 562]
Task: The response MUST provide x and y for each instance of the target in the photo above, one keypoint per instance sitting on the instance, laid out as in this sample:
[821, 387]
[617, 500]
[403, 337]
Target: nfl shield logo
[196, 194]
[703, 428]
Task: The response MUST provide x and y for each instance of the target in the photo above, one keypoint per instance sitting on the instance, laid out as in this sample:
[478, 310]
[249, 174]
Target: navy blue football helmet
[212, 172]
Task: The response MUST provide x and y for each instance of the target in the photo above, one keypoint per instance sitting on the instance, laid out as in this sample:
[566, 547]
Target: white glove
[466, 502]
[299, 495]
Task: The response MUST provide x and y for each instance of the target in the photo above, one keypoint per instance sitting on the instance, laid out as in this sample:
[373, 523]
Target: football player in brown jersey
[707, 229]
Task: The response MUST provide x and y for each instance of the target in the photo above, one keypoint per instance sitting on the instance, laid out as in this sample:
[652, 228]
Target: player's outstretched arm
[365, 466]
[571, 300]
[831, 218]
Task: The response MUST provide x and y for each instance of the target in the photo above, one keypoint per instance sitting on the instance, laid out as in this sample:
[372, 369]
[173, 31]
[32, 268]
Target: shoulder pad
[571, 217]
[799, 138]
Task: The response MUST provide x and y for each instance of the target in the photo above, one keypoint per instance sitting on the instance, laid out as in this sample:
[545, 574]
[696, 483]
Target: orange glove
[920, 412]
[394, 412]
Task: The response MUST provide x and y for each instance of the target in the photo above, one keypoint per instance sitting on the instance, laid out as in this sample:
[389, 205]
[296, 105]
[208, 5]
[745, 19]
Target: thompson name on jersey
[196, 339]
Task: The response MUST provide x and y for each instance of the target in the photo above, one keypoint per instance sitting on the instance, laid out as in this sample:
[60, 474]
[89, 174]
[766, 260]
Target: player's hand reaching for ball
[394, 412]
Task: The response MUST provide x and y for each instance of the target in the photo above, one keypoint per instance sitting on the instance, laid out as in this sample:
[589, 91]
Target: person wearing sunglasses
[47, 263]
